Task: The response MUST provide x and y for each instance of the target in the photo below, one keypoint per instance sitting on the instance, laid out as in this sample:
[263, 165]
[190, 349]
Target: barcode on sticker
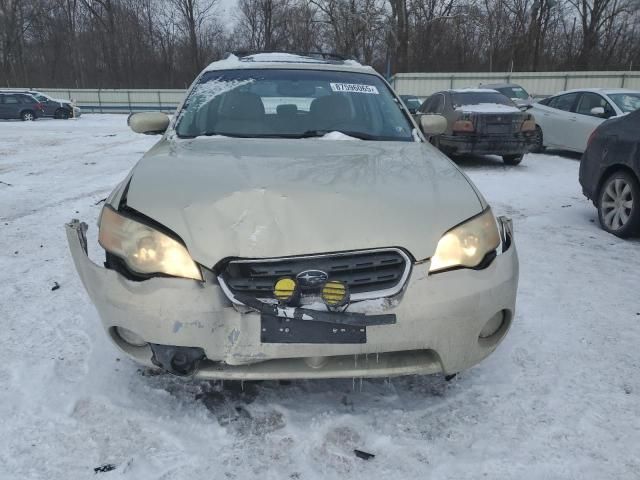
[354, 88]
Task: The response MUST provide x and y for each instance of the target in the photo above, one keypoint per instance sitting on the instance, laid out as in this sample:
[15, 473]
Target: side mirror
[433, 124]
[149, 123]
[597, 111]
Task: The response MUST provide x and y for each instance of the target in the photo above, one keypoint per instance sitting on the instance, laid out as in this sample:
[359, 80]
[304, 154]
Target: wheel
[619, 204]
[512, 159]
[538, 144]
[61, 113]
[27, 116]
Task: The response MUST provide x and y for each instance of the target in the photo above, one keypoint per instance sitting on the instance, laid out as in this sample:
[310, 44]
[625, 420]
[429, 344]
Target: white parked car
[566, 120]
[319, 237]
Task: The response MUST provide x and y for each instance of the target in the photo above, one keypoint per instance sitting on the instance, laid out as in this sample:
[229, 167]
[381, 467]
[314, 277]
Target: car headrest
[288, 109]
[242, 106]
[332, 107]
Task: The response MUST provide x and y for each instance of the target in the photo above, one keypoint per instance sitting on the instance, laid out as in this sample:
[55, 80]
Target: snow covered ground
[560, 398]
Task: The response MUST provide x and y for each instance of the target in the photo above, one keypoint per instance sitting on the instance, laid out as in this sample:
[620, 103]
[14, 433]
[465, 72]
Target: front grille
[368, 273]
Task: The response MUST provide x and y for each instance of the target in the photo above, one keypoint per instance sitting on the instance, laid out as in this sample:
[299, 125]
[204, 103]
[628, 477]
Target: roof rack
[320, 55]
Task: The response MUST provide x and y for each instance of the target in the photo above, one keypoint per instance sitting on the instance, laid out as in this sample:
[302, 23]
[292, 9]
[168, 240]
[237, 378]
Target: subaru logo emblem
[311, 278]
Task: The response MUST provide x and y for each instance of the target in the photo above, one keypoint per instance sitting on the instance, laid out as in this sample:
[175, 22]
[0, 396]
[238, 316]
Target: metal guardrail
[537, 83]
[118, 100]
[421, 84]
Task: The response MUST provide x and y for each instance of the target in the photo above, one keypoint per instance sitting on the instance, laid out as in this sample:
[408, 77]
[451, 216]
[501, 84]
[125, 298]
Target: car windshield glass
[515, 92]
[475, 98]
[627, 102]
[40, 97]
[412, 102]
[292, 104]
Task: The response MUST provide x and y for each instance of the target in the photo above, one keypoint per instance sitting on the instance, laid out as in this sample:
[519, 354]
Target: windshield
[411, 102]
[627, 102]
[514, 92]
[292, 104]
[475, 98]
[40, 97]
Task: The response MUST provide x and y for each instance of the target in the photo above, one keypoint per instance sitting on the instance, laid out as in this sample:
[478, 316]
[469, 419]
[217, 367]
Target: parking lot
[558, 399]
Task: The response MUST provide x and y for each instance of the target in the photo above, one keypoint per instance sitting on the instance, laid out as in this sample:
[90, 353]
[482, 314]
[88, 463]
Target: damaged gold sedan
[292, 222]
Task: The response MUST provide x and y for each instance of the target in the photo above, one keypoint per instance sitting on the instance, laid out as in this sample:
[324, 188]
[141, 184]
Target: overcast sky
[226, 9]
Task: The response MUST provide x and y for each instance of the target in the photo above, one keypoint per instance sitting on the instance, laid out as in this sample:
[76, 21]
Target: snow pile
[337, 136]
[487, 108]
[253, 61]
[473, 90]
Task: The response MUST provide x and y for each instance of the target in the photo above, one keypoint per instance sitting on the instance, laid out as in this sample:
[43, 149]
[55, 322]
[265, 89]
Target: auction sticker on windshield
[354, 88]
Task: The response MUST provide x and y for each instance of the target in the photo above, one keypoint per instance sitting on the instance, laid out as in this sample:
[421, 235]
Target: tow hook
[179, 361]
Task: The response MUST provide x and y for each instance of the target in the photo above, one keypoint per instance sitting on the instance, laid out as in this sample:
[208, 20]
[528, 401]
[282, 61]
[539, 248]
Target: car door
[586, 122]
[554, 116]
[2, 107]
[11, 106]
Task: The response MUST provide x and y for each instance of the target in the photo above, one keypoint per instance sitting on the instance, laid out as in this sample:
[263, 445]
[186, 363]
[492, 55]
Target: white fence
[536, 83]
[420, 84]
[118, 101]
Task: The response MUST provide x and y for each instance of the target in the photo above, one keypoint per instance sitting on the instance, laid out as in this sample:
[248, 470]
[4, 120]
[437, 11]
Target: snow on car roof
[488, 108]
[472, 90]
[279, 60]
[600, 90]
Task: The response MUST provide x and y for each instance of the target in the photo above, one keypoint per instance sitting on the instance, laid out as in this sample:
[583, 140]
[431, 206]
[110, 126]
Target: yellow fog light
[285, 289]
[335, 294]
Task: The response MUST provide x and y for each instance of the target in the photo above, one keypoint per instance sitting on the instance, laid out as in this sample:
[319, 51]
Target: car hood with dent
[229, 197]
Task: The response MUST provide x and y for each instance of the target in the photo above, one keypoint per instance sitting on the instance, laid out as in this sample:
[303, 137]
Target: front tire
[512, 159]
[619, 204]
[28, 116]
[61, 114]
[538, 141]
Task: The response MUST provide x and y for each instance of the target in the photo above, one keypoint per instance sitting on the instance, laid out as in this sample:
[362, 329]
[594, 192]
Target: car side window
[427, 106]
[11, 99]
[589, 101]
[439, 105]
[563, 102]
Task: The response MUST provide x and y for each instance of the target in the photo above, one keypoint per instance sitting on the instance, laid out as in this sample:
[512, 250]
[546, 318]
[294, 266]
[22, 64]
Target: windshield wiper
[306, 134]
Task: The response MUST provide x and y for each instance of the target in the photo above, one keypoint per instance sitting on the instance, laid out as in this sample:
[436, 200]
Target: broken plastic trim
[337, 318]
[505, 228]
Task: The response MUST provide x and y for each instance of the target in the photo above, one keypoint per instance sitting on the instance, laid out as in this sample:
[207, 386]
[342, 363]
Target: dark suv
[54, 107]
[610, 174]
[20, 105]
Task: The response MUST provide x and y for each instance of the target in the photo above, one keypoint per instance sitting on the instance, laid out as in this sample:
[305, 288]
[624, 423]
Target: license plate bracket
[275, 329]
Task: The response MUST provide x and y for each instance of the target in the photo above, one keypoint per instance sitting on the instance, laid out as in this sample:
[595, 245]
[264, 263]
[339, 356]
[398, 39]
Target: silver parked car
[566, 120]
[292, 222]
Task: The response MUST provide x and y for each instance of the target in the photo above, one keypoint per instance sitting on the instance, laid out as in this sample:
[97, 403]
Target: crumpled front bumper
[439, 318]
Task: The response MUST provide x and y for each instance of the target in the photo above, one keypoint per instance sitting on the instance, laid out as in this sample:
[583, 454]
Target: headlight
[144, 249]
[467, 244]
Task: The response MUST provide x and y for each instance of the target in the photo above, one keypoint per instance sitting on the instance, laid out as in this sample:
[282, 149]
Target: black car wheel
[512, 159]
[27, 116]
[61, 113]
[538, 143]
[619, 204]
